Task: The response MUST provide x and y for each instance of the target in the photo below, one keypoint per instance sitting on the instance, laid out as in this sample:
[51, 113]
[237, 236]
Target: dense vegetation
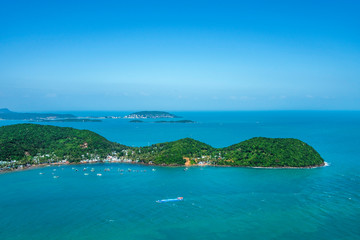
[31, 143]
[171, 153]
[25, 141]
[271, 152]
[256, 152]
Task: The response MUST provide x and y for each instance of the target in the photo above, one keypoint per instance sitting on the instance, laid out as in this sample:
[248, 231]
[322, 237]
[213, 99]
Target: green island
[24, 145]
[151, 114]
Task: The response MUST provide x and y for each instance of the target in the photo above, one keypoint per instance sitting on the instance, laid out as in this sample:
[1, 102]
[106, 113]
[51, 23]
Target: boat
[55, 176]
[170, 200]
[86, 174]
[99, 174]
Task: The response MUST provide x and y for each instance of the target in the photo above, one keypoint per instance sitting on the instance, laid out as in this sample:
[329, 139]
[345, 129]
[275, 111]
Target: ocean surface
[219, 202]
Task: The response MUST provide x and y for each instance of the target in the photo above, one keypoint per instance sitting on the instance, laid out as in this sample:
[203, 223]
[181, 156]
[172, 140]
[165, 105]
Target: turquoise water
[219, 203]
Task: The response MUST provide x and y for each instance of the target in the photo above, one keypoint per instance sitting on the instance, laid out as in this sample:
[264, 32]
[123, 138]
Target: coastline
[43, 165]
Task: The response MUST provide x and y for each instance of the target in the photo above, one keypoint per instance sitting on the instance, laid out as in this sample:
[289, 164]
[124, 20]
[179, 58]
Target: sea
[218, 202]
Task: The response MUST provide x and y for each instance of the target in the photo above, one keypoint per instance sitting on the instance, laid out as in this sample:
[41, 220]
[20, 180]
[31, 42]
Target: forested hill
[28, 142]
[269, 152]
[25, 141]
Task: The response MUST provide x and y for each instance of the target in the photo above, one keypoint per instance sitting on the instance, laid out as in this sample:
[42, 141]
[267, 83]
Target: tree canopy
[25, 142]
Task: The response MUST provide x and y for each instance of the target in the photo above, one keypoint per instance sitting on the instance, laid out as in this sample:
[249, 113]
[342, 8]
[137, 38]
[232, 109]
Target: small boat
[99, 174]
[170, 200]
[55, 176]
[41, 173]
[86, 174]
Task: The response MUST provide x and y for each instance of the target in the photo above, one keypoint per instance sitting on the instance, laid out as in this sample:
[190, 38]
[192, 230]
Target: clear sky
[179, 55]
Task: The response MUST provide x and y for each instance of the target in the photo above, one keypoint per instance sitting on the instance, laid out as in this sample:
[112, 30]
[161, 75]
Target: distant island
[163, 121]
[24, 145]
[178, 121]
[151, 114]
[136, 121]
[6, 114]
[69, 120]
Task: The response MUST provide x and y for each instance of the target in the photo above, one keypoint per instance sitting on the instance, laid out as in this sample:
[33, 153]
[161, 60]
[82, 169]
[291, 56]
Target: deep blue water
[219, 203]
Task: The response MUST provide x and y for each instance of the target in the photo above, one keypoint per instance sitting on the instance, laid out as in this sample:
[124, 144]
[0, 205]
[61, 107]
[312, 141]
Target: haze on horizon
[179, 55]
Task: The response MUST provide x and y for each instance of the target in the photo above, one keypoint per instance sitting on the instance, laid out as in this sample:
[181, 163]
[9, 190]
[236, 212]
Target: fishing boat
[170, 200]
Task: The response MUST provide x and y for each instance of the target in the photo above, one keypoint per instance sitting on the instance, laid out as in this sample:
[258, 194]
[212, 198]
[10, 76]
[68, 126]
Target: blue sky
[179, 55]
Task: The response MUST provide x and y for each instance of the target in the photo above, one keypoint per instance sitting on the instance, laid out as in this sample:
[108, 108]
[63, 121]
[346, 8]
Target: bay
[219, 202]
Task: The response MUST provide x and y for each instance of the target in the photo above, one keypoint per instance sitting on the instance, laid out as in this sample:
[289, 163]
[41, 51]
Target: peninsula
[6, 114]
[31, 144]
[151, 114]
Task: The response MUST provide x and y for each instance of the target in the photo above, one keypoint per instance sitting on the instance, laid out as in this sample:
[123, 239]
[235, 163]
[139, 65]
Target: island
[68, 120]
[151, 114]
[162, 121]
[136, 121]
[178, 121]
[6, 114]
[24, 145]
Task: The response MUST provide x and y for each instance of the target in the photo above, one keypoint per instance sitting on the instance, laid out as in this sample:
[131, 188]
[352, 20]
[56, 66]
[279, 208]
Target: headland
[24, 145]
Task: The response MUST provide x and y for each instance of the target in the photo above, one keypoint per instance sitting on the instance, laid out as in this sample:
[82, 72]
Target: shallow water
[219, 202]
